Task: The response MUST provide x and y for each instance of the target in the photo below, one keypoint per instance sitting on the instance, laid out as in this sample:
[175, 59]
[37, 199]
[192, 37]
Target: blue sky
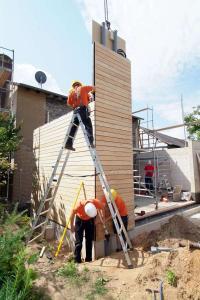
[163, 44]
[49, 35]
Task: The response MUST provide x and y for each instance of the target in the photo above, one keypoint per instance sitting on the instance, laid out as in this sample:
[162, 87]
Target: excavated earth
[148, 272]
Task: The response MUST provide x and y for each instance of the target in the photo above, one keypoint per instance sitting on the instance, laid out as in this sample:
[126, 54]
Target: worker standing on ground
[149, 172]
[85, 211]
[78, 99]
[121, 206]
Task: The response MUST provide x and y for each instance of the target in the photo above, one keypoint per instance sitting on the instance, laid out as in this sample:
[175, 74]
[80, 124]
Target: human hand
[72, 228]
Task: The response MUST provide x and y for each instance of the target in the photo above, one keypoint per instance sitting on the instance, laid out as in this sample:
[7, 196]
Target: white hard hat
[90, 210]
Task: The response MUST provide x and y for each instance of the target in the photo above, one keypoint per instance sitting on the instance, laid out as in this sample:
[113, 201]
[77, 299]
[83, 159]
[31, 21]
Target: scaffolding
[6, 88]
[147, 143]
[6, 76]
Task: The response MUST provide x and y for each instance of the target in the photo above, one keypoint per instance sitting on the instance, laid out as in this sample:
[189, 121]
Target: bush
[16, 276]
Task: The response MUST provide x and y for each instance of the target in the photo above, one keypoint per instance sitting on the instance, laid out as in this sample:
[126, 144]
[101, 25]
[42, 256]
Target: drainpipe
[103, 34]
[115, 40]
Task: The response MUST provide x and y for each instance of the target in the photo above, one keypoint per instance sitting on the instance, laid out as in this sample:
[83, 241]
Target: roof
[136, 117]
[169, 140]
[39, 90]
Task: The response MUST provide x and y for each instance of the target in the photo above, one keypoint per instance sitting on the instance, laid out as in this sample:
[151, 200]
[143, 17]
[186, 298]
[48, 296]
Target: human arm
[72, 221]
[70, 99]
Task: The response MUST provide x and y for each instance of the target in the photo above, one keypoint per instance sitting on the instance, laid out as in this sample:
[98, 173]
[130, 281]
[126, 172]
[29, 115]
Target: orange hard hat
[76, 82]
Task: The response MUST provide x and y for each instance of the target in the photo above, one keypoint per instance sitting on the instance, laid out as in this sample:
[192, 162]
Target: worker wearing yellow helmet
[78, 99]
[121, 206]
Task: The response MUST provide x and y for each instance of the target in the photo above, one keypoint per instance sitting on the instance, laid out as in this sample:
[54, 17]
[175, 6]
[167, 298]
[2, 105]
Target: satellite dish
[40, 77]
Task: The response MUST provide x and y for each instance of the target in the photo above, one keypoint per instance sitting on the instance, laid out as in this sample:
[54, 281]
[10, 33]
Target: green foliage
[171, 278]
[9, 142]
[70, 271]
[16, 277]
[98, 288]
[194, 117]
[9, 134]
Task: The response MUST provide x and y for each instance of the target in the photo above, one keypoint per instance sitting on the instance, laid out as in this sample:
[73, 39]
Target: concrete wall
[195, 184]
[55, 109]
[183, 166]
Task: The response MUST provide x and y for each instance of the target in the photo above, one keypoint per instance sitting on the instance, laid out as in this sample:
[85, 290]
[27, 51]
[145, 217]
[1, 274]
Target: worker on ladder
[79, 98]
[85, 211]
[121, 206]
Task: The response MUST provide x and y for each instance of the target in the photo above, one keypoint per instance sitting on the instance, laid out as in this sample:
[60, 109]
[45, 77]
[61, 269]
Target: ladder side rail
[106, 190]
[49, 184]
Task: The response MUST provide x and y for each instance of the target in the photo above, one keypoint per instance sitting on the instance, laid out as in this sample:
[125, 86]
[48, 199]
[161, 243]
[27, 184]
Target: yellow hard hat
[76, 82]
[114, 193]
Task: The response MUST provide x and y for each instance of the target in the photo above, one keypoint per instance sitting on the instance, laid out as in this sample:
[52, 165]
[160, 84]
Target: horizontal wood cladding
[47, 143]
[114, 125]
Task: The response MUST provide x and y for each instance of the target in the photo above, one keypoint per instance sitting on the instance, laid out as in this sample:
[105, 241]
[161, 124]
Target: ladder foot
[130, 267]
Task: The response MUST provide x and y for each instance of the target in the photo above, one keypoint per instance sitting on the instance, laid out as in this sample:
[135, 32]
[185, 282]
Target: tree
[9, 142]
[193, 123]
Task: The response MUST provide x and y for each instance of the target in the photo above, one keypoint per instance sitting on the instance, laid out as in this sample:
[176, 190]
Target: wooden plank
[109, 87]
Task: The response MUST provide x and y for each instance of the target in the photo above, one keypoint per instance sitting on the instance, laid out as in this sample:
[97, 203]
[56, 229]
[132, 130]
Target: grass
[70, 271]
[80, 278]
[171, 278]
[98, 289]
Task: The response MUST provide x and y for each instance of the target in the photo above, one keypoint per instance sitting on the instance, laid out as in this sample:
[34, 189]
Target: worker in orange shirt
[85, 212]
[78, 99]
[121, 206]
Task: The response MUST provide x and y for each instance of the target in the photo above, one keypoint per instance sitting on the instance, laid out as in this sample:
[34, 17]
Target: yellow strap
[68, 221]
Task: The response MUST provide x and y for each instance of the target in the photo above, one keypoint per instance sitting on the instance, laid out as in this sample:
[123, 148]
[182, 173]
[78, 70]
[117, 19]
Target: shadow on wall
[40, 181]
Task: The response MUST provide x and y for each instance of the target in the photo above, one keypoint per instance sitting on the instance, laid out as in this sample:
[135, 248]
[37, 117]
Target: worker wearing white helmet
[79, 98]
[85, 212]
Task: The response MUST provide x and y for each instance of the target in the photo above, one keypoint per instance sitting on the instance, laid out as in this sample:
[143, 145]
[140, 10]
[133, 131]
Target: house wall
[113, 121]
[32, 109]
[48, 140]
[30, 113]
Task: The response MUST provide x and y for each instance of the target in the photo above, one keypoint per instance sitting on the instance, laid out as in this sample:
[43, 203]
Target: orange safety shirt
[79, 209]
[121, 206]
[81, 98]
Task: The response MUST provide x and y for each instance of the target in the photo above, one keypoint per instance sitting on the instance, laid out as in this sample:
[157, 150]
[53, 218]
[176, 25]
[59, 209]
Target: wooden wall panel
[47, 143]
[114, 124]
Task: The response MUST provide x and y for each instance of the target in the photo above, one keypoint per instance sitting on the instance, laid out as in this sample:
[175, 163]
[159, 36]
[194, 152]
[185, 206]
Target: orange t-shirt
[121, 206]
[81, 98]
[80, 211]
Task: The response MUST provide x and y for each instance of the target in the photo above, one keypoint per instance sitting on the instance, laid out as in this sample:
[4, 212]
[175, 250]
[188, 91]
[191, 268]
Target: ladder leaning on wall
[46, 198]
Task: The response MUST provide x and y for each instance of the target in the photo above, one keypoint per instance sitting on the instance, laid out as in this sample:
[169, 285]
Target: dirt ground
[148, 272]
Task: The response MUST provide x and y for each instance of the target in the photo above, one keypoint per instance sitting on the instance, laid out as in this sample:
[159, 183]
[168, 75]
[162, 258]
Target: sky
[162, 39]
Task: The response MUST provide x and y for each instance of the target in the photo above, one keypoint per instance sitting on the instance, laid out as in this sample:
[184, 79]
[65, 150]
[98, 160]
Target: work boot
[92, 143]
[88, 259]
[69, 147]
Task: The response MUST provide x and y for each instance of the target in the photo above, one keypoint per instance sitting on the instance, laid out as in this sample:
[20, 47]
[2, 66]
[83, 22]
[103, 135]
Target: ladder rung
[145, 196]
[75, 124]
[36, 237]
[40, 225]
[44, 212]
[48, 199]
[70, 136]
